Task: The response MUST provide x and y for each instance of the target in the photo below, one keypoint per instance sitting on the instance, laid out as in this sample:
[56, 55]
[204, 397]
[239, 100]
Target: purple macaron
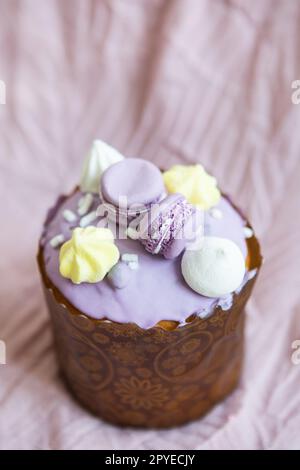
[130, 187]
[169, 226]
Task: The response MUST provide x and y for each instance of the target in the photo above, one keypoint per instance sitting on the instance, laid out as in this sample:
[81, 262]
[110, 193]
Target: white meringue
[100, 157]
[216, 268]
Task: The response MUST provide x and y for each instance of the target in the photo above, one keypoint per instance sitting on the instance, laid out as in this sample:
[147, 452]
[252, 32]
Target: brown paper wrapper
[159, 377]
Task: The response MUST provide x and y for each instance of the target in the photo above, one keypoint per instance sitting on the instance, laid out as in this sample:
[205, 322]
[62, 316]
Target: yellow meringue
[198, 187]
[89, 255]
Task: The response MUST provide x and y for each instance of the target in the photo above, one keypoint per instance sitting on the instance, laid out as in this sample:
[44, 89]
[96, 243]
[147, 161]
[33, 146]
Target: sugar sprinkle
[57, 240]
[84, 204]
[133, 265]
[69, 216]
[248, 232]
[88, 219]
[216, 213]
[130, 257]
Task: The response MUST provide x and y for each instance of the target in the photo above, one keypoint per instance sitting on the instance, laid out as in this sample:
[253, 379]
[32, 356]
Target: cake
[146, 274]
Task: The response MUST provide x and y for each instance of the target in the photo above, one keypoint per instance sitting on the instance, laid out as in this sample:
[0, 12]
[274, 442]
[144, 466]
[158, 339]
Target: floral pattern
[141, 393]
[180, 361]
[126, 353]
[154, 377]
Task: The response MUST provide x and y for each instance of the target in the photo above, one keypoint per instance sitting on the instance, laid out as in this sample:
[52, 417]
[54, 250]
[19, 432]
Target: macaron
[215, 268]
[169, 226]
[130, 187]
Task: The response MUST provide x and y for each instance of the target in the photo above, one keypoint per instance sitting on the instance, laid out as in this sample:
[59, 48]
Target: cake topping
[100, 157]
[133, 265]
[69, 216]
[155, 279]
[57, 240]
[120, 275]
[216, 268]
[89, 255]
[132, 260]
[216, 213]
[88, 219]
[194, 183]
[248, 232]
[130, 257]
[84, 204]
[129, 187]
[132, 233]
[168, 227]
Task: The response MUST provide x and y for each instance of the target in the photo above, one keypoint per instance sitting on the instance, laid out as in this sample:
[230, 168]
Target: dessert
[167, 228]
[89, 255]
[130, 187]
[215, 269]
[146, 280]
[100, 157]
[194, 183]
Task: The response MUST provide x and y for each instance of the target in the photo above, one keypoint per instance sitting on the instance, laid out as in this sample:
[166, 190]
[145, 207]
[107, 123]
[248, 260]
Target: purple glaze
[163, 228]
[157, 291]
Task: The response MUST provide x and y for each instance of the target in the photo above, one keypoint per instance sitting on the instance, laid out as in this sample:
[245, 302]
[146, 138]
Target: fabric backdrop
[170, 81]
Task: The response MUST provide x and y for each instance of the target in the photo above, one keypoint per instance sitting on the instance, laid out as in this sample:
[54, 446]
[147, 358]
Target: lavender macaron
[130, 187]
[169, 226]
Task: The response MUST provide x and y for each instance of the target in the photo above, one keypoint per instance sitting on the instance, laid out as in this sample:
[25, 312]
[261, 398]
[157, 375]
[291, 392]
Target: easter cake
[146, 275]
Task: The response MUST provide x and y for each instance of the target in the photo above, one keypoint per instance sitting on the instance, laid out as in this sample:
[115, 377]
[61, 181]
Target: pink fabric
[172, 81]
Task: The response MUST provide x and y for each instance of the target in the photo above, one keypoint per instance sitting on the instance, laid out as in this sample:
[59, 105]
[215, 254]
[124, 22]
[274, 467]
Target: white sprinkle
[84, 204]
[216, 213]
[88, 219]
[80, 201]
[57, 240]
[248, 232]
[133, 265]
[69, 216]
[130, 257]
[133, 234]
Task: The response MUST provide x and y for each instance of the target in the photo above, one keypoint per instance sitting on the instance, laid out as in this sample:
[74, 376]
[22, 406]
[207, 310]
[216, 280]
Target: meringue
[198, 187]
[89, 255]
[100, 157]
[215, 269]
